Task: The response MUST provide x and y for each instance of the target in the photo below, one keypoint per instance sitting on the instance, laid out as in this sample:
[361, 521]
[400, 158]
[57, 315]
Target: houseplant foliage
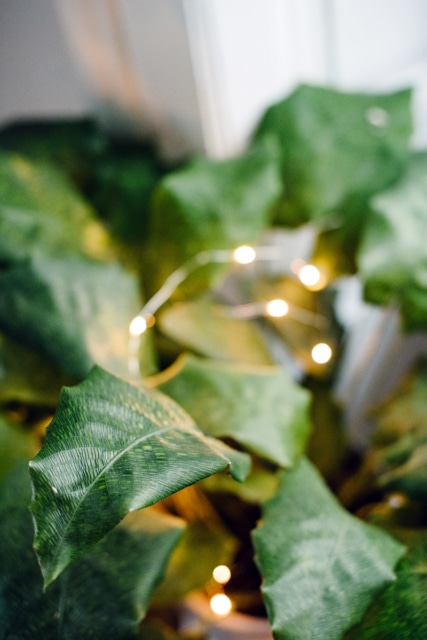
[215, 453]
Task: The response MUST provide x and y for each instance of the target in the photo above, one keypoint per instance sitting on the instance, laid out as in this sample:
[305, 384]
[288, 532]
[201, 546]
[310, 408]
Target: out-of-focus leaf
[335, 145]
[123, 182]
[400, 613]
[26, 187]
[16, 444]
[261, 408]
[75, 145]
[392, 257]
[214, 546]
[102, 596]
[321, 566]
[25, 376]
[210, 205]
[73, 311]
[113, 448]
[203, 327]
[106, 593]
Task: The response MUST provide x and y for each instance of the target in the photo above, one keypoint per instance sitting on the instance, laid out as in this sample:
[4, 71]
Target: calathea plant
[208, 451]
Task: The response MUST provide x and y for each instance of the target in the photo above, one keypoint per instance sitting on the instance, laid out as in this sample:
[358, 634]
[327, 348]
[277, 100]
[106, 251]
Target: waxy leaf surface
[102, 596]
[259, 407]
[321, 566]
[112, 448]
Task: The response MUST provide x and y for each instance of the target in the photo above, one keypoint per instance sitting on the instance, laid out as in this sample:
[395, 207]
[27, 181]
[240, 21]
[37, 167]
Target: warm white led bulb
[221, 574]
[221, 604]
[277, 308]
[309, 275]
[244, 254]
[138, 326]
[321, 353]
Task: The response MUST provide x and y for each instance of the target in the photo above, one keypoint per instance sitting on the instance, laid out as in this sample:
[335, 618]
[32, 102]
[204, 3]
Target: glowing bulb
[321, 353]
[244, 254]
[277, 308]
[309, 275]
[220, 604]
[221, 574]
[137, 326]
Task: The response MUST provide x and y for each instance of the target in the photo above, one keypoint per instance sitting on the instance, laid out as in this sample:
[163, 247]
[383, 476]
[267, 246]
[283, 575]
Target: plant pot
[197, 617]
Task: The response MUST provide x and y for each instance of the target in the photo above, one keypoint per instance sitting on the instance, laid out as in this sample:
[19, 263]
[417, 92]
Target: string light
[221, 604]
[221, 574]
[309, 275]
[243, 255]
[321, 353]
[277, 308]
[138, 326]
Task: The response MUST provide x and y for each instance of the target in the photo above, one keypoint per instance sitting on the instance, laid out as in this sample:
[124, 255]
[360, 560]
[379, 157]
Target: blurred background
[196, 74]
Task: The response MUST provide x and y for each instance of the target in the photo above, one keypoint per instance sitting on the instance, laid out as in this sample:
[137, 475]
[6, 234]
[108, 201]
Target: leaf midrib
[104, 470]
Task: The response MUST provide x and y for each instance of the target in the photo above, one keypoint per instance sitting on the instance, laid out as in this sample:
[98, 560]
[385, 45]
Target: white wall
[199, 72]
[37, 74]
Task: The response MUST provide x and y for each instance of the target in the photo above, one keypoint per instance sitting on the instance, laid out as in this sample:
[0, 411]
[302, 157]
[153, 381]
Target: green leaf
[113, 448]
[335, 145]
[214, 546]
[392, 256]
[261, 408]
[26, 377]
[38, 206]
[103, 595]
[321, 566]
[202, 327]
[400, 613]
[113, 583]
[210, 205]
[73, 311]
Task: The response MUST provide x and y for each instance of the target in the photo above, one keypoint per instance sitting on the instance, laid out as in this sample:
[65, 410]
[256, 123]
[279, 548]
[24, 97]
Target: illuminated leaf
[73, 311]
[259, 407]
[113, 448]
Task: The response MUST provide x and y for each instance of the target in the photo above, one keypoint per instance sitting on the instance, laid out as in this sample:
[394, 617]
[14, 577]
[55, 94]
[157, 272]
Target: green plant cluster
[138, 488]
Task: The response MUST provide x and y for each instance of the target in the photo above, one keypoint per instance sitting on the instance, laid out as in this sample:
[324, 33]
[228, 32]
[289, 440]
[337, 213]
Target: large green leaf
[259, 407]
[392, 257]
[321, 566]
[400, 613]
[101, 596]
[113, 448]
[26, 187]
[335, 145]
[210, 205]
[72, 310]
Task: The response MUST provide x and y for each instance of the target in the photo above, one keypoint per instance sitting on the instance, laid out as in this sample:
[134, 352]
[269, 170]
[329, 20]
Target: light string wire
[243, 255]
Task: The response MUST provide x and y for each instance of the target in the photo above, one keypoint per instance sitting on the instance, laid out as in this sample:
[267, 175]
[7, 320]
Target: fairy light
[221, 604]
[321, 353]
[277, 308]
[138, 326]
[244, 254]
[309, 275]
[221, 574]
